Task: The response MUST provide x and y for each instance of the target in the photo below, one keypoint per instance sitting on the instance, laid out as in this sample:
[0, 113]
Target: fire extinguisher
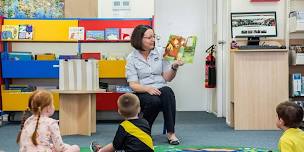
[210, 68]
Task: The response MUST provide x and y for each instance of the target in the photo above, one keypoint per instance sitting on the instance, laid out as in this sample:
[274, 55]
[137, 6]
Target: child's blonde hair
[38, 100]
[128, 105]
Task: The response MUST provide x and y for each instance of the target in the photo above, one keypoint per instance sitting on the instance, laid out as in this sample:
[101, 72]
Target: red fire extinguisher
[210, 69]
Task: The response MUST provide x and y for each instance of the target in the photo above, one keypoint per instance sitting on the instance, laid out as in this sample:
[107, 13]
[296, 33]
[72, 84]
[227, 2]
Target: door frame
[222, 55]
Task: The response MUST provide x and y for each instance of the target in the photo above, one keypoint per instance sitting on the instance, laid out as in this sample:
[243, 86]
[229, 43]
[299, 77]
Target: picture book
[180, 48]
[296, 84]
[25, 32]
[76, 33]
[10, 32]
[125, 33]
[95, 35]
[112, 33]
[302, 85]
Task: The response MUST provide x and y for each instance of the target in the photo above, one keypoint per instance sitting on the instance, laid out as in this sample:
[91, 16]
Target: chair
[164, 130]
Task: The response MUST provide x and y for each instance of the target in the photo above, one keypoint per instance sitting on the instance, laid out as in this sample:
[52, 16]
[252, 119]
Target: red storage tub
[87, 56]
[107, 101]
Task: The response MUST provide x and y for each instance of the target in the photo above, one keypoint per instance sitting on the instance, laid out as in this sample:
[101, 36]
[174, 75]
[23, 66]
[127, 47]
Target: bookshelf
[1, 50]
[55, 32]
[295, 34]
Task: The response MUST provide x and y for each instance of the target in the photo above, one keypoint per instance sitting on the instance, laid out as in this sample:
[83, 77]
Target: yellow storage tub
[18, 101]
[45, 57]
[112, 69]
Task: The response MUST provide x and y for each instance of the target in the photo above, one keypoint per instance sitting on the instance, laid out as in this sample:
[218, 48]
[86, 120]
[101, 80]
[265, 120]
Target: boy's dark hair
[137, 36]
[290, 113]
[128, 105]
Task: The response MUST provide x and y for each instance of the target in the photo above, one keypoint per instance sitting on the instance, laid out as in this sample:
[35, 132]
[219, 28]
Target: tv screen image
[253, 24]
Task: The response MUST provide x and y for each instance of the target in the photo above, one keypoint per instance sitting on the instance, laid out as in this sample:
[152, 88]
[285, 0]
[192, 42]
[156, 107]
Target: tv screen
[254, 24]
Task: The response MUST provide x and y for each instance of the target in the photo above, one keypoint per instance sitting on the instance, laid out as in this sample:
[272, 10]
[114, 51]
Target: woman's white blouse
[147, 72]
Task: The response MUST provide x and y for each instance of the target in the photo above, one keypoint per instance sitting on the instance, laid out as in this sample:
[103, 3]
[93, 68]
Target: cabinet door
[260, 84]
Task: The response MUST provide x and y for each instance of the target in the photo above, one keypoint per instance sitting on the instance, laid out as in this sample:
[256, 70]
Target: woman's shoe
[173, 141]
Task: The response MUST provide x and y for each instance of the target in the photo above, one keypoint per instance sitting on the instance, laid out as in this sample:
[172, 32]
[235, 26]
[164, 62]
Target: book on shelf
[296, 84]
[10, 32]
[302, 85]
[25, 32]
[112, 33]
[76, 33]
[180, 48]
[95, 35]
[17, 56]
[126, 33]
[123, 89]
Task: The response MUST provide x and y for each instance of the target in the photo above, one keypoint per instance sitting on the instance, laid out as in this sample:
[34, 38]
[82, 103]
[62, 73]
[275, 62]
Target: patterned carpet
[168, 148]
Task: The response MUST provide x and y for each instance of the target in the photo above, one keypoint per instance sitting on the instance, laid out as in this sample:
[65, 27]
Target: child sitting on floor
[40, 133]
[290, 115]
[133, 134]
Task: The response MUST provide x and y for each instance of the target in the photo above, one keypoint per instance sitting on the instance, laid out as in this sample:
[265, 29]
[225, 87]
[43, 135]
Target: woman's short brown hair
[290, 113]
[128, 105]
[137, 36]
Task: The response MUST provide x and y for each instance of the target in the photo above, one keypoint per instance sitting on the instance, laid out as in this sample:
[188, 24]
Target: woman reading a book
[147, 73]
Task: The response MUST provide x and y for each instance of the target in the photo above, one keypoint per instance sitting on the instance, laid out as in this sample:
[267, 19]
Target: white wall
[138, 9]
[187, 18]
[279, 7]
[193, 17]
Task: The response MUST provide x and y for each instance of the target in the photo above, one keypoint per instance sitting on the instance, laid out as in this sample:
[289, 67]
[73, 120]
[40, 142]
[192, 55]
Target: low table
[77, 112]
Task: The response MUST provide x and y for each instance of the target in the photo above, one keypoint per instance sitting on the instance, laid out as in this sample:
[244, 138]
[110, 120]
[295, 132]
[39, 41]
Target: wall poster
[32, 8]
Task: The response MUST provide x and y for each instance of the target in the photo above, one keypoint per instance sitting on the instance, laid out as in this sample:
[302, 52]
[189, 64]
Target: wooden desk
[259, 82]
[77, 112]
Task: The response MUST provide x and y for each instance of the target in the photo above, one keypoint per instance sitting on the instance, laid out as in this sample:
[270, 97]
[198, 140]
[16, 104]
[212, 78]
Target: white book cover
[296, 83]
[97, 76]
[63, 74]
[79, 71]
[89, 73]
[71, 75]
[76, 33]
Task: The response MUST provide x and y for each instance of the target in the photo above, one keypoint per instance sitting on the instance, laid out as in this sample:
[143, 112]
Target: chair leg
[164, 130]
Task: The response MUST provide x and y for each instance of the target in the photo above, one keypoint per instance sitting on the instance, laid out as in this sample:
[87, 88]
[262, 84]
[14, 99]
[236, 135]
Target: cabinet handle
[56, 66]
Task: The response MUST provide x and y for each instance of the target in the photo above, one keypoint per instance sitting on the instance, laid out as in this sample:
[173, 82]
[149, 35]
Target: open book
[180, 48]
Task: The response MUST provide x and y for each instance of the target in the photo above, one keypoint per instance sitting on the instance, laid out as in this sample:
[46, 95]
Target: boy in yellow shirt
[290, 116]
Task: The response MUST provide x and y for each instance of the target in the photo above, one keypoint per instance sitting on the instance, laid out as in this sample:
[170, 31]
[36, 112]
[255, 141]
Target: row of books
[25, 32]
[17, 32]
[297, 84]
[24, 56]
[79, 33]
